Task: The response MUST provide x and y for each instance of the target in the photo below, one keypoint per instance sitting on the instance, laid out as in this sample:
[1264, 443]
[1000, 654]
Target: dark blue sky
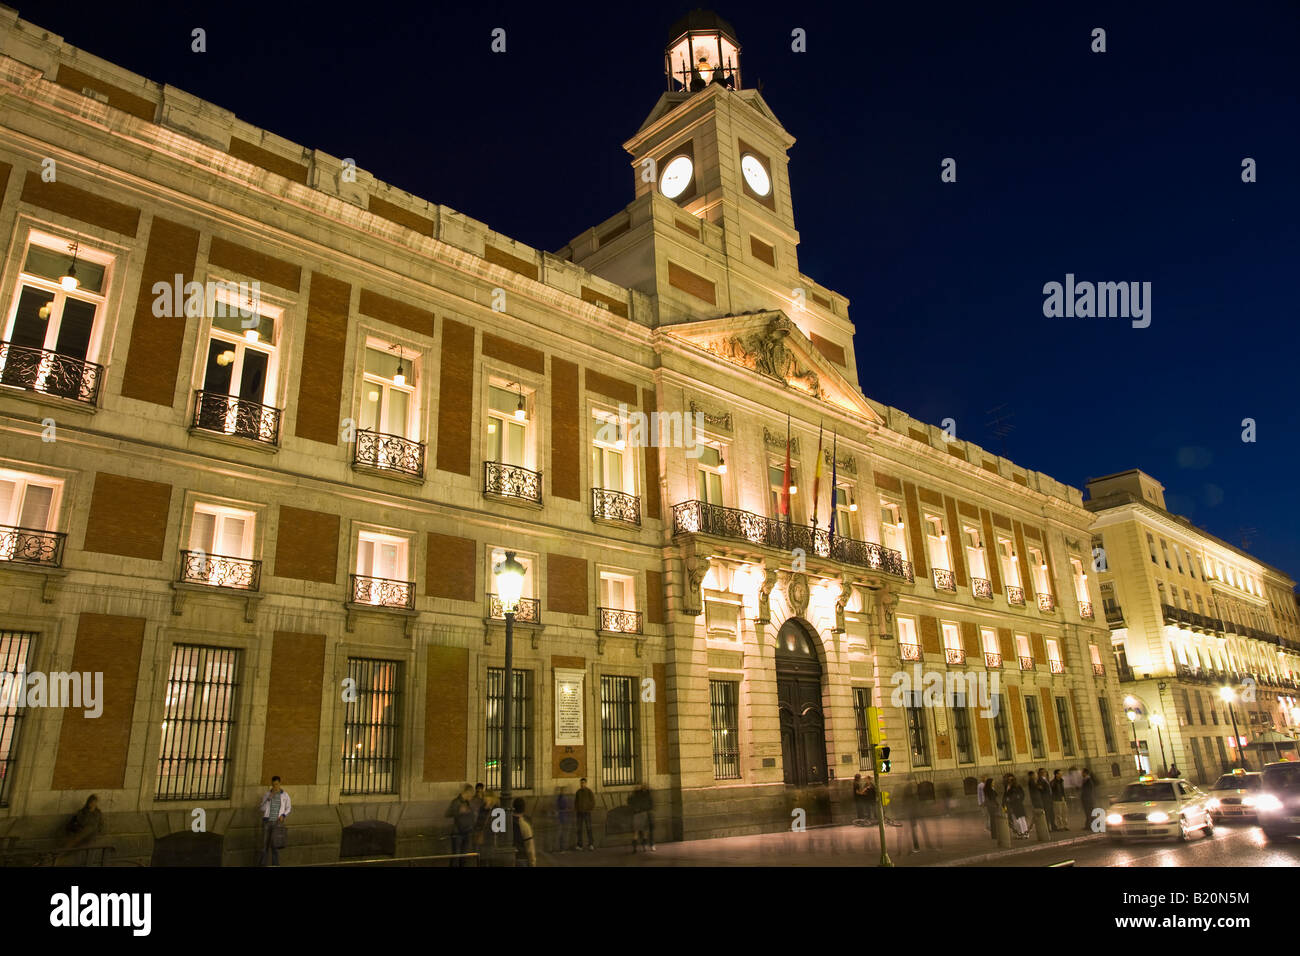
[1122, 166]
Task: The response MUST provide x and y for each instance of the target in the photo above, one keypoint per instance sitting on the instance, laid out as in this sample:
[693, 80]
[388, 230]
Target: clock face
[755, 174]
[676, 177]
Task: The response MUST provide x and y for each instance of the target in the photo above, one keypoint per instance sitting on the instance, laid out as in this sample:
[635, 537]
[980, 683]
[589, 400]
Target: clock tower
[711, 230]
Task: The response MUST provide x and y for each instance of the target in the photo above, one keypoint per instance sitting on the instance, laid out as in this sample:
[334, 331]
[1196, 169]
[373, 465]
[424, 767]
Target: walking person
[525, 851]
[1088, 795]
[563, 819]
[1013, 801]
[584, 802]
[992, 805]
[1059, 824]
[916, 818]
[463, 819]
[869, 800]
[275, 807]
[640, 803]
[484, 833]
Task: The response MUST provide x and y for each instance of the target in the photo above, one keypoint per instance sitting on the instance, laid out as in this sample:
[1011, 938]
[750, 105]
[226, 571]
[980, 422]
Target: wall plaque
[569, 729]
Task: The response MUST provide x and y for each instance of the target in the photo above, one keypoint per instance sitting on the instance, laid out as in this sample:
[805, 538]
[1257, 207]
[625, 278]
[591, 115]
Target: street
[1231, 846]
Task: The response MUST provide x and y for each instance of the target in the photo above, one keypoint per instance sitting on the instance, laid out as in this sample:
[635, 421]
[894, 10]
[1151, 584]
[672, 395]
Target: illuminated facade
[1190, 615]
[260, 459]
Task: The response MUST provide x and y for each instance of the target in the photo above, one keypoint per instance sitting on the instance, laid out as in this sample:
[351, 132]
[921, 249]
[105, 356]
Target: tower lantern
[702, 49]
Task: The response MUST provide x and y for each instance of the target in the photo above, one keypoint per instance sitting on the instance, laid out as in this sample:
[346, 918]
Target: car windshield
[1230, 781]
[1283, 777]
[1140, 792]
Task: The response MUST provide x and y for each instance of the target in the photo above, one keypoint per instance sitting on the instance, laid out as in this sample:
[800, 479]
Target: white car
[1234, 795]
[1160, 807]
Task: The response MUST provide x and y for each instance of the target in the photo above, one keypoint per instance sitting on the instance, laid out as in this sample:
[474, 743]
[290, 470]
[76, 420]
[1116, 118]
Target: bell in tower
[702, 49]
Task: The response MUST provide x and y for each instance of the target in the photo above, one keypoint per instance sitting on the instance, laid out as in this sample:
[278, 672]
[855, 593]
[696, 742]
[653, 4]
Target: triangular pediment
[668, 102]
[770, 345]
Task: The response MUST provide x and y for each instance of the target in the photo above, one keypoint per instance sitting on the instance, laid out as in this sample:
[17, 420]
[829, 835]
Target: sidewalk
[953, 840]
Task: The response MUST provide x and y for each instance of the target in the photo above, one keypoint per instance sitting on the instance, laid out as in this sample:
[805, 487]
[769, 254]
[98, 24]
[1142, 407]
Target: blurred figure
[525, 851]
[1088, 794]
[86, 824]
[1058, 803]
[584, 802]
[563, 819]
[463, 821]
[992, 805]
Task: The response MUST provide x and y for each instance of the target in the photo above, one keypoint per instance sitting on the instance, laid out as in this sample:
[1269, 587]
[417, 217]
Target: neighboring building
[1189, 615]
[268, 512]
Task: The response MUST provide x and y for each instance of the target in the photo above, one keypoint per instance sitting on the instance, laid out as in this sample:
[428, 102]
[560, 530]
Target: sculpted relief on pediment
[765, 351]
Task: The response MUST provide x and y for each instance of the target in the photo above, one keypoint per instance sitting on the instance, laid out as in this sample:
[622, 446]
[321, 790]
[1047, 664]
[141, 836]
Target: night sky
[1122, 166]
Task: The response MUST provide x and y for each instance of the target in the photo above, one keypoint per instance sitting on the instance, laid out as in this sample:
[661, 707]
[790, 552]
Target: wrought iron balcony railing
[1015, 595]
[32, 546]
[909, 652]
[1056, 667]
[1085, 610]
[992, 659]
[389, 453]
[954, 655]
[529, 610]
[1114, 613]
[982, 588]
[1125, 673]
[383, 592]
[1046, 602]
[511, 481]
[217, 412]
[1099, 669]
[698, 517]
[1026, 663]
[607, 505]
[220, 571]
[944, 580]
[40, 370]
[619, 621]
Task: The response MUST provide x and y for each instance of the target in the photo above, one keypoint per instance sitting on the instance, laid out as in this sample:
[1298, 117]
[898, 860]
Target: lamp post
[1158, 721]
[510, 583]
[1137, 752]
[1227, 694]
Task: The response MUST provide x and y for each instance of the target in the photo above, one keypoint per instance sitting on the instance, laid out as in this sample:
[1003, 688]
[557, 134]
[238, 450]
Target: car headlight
[1268, 802]
[1114, 819]
[1247, 801]
[1214, 803]
[1158, 816]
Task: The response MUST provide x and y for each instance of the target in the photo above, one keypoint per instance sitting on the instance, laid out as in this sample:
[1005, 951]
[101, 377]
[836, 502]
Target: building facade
[267, 425]
[1199, 628]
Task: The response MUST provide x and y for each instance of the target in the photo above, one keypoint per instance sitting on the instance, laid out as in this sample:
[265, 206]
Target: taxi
[1156, 807]
[1234, 795]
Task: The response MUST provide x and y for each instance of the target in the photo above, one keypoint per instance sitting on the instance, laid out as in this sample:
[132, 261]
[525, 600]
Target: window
[1063, 719]
[1164, 551]
[1024, 651]
[1191, 565]
[221, 548]
[1107, 728]
[844, 509]
[724, 719]
[776, 483]
[891, 528]
[29, 508]
[1055, 664]
[15, 648]
[238, 379]
[1151, 548]
[381, 557]
[961, 729]
[709, 469]
[992, 651]
[1001, 733]
[388, 392]
[909, 649]
[1010, 566]
[509, 441]
[1038, 568]
[611, 465]
[370, 727]
[521, 728]
[937, 542]
[1200, 605]
[1178, 559]
[1200, 707]
[1080, 580]
[861, 702]
[1035, 727]
[975, 557]
[618, 731]
[198, 723]
[918, 737]
[52, 331]
[954, 652]
[617, 607]
[1095, 655]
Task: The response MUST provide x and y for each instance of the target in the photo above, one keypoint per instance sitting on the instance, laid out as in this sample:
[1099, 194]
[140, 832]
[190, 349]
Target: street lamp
[509, 575]
[1158, 721]
[1137, 752]
[1227, 694]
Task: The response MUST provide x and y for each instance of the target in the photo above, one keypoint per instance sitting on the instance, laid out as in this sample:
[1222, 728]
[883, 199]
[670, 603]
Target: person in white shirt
[275, 807]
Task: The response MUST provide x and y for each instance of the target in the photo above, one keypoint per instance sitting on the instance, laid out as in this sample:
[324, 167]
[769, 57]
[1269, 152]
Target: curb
[1018, 850]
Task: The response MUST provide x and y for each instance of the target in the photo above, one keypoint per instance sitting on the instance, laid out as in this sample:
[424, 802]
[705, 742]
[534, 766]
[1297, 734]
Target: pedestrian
[275, 807]
[1087, 794]
[1173, 771]
[859, 799]
[485, 835]
[583, 803]
[525, 851]
[563, 819]
[979, 802]
[992, 805]
[86, 824]
[463, 819]
[1013, 801]
[916, 818]
[640, 804]
[1059, 824]
[1035, 796]
[869, 799]
[476, 802]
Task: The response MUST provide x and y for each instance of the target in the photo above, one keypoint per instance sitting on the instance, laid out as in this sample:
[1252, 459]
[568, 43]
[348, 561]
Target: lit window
[388, 391]
[844, 508]
[238, 385]
[1010, 566]
[776, 486]
[611, 461]
[29, 508]
[381, 556]
[892, 532]
[508, 426]
[975, 552]
[1038, 568]
[709, 469]
[937, 541]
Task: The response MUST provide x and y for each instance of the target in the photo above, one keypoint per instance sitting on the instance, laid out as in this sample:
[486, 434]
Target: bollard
[1040, 826]
[1003, 829]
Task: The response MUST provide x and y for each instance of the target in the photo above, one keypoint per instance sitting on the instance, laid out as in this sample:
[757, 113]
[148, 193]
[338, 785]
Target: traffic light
[875, 726]
[882, 755]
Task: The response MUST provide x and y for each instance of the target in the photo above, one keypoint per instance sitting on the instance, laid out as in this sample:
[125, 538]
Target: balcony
[954, 655]
[529, 610]
[238, 417]
[982, 588]
[1114, 614]
[391, 453]
[909, 652]
[609, 505]
[49, 373]
[1124, 673]
[1085, 610]
[220, 571]
[992, 659]
[1026, 663]
[698, 517]
[32, 546]
[1046, 603]
[383, 592]
[1098, 670]
[1015, 595]
[944, 580]
[618, 621]
[1056, 667]
[511, 481]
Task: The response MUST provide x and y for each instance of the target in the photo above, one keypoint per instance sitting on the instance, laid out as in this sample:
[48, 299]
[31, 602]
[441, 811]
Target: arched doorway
[799, 699]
